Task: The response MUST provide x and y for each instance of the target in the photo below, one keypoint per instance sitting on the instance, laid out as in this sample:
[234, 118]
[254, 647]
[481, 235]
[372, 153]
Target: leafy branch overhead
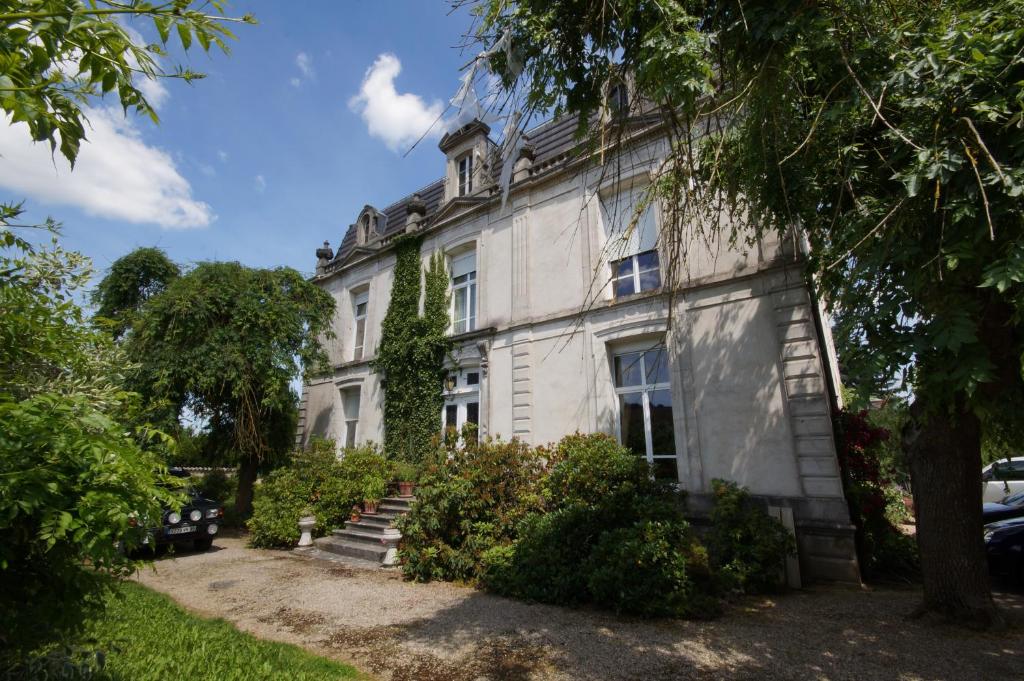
[57, 55]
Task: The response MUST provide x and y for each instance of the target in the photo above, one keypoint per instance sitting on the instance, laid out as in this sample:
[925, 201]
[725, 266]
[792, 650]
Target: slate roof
[551, 142]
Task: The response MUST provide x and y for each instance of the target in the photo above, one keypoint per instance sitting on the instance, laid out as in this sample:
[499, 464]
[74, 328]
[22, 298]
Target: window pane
[663, 438]
[451, 416]
[627, 369]
[650, 280]
[472, 308]
[357, 352]
[460, 309]
[624, 287]
[361, 310]
[623, 268]
[666, 469]
[473, 412]
[647, 261]
[631, 423]
[656, 363]
[461, 279]
[472, 378]
[350, 434]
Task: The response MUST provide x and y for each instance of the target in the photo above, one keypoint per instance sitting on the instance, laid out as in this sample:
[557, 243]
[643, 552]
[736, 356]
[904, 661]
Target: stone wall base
[824, 534]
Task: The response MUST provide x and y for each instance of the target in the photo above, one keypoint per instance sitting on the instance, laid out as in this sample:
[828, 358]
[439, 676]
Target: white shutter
[617, 212]
[463, 264]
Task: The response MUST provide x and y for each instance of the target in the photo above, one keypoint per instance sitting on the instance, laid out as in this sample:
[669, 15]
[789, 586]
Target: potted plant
[374, 488]
[307, 522]
[407, 475]
[355, 513]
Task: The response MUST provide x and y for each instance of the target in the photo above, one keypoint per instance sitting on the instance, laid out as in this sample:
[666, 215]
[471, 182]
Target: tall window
[632, 237]
[359, 302]
[466, 175]
[645, 408]
[463, 269]
[618, 99]
[461, 400]
[350, 408]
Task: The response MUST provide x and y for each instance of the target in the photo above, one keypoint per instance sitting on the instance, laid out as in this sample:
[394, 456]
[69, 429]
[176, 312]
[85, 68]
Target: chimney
[416, 210]
[521, 170]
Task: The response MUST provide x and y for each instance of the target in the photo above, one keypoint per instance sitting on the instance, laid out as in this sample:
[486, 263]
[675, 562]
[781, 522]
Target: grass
[146, 636]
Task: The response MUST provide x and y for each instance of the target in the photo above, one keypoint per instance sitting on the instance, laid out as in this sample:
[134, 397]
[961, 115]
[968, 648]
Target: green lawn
[147, 636]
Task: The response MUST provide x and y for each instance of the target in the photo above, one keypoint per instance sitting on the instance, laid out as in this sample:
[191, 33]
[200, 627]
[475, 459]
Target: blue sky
[269, 155]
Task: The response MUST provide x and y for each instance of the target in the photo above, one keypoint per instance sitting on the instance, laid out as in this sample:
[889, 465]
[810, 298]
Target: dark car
[1004, 545]
[197, 523]
[1011, 506]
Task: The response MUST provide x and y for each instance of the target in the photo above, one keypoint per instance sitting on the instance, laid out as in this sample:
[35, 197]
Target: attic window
[618, 99]
[364, 229]
[466, 175]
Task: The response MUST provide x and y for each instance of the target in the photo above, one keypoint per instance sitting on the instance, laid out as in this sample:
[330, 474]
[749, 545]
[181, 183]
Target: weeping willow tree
[890, 136]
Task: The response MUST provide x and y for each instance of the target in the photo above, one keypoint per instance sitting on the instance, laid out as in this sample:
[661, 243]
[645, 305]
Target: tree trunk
[246, 481]
[944, 452]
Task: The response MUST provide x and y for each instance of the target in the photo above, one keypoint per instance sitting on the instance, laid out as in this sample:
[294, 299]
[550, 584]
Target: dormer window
[364, 229]
[466, 175]
[618, 99]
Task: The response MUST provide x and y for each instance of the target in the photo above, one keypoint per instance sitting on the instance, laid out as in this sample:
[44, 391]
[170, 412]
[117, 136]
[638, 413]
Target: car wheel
[203, 544]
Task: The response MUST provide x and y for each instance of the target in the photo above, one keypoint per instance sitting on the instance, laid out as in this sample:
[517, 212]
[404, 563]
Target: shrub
[588, 469]
[748, 549]
[469, 499]
[218, 486]
[315, 480]
[642, 569]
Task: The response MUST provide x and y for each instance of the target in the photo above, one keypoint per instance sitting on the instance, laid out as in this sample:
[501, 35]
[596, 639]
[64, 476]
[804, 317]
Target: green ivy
[411, 354]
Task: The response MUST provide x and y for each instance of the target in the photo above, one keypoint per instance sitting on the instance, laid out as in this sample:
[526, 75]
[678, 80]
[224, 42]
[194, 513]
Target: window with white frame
[465, 166]
[359, 304]
[461, 399]
[463, 269]
[350, 409]
[631, 230]
[644, 393]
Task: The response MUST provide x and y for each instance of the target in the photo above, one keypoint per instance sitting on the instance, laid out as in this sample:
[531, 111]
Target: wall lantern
[449, 382]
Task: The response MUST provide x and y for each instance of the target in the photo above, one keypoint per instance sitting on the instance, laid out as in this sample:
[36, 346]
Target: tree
[411, 354]
[132, 281]
[890, 135]
[225, 341]
[75, 482]
[59, 54]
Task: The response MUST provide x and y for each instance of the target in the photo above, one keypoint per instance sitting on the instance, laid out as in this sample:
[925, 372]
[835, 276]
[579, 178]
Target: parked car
[1001, 478]
[197, 523]
[1004, 546]
[1011, 506]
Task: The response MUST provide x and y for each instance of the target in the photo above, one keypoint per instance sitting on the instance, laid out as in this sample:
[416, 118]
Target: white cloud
[305, 64]
[207, 169]
[117, 175]
[222, 155]
[296, 82]
[260, 183]
[397, 119]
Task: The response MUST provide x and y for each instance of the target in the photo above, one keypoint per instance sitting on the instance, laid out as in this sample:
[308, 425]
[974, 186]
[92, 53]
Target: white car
[1001, 478]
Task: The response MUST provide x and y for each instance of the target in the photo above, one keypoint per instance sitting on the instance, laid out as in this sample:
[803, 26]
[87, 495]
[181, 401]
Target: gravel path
[425, 632]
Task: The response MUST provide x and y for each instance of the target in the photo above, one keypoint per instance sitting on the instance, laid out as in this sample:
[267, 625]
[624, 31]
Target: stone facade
[737, 367]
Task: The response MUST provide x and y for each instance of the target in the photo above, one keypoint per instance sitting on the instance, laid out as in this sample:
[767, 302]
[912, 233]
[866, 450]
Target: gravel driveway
[425, 632]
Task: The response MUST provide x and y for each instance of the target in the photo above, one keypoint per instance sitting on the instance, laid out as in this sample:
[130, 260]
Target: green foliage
[642, 569]
[747, 548]
[73, 478]
[314, 481]
[410, 356]
[60, 54]
[589, 470]
[875, 502]
[145, 636]
[469, 499]
[132, 280]
[226, 341]
[218, 486]
[406, 471]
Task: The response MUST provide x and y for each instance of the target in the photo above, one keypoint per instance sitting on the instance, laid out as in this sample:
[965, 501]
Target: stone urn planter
[405, 488]
[306, 525]
[370, 506]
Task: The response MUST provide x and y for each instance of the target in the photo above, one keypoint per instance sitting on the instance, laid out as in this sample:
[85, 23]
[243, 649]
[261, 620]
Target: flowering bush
[882, 549]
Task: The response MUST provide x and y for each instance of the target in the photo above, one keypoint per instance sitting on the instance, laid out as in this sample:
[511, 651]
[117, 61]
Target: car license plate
[184, 529]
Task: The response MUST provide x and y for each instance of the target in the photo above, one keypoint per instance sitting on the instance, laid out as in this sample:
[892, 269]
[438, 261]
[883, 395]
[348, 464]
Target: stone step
[370, 521]
[398, 503]
[357, 537]
[346, 547]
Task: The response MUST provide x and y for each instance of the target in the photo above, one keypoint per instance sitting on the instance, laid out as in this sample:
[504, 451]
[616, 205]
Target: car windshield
[1014, 499]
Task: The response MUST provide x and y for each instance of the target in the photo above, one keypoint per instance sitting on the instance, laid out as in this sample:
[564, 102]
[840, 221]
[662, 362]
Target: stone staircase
[373, 537]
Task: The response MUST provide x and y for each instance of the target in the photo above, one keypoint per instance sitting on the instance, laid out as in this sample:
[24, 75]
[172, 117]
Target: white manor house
[561, 325]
